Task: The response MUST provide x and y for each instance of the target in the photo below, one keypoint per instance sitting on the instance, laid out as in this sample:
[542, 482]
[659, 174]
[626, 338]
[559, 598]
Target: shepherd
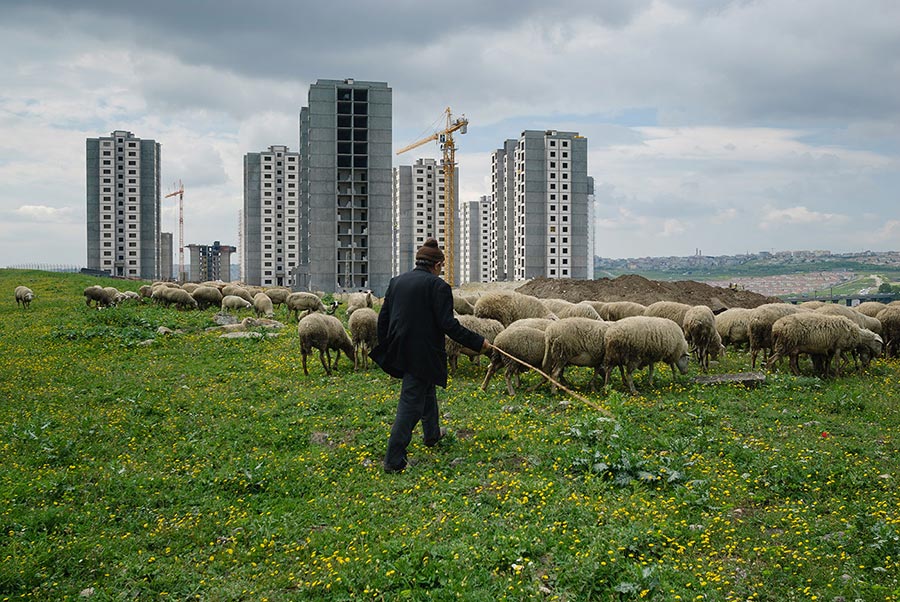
[416, 315]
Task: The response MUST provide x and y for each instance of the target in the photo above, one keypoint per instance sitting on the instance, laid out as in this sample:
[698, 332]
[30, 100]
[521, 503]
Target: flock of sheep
[552, 334]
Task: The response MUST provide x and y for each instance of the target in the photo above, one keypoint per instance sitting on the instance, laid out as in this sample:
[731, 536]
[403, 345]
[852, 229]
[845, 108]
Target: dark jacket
[417, 313]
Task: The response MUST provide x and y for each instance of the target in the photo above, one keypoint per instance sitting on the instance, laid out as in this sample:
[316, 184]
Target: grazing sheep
[863, 321]
[638, 341]
[100, 297]
[145, 291]
[539, 323]
[761, 320]
[486, 327]
[524, 343]
[190, 286]
[822, 336]
[813, 305]
[870, 308]
[733, 326]
[237, 291]
[573, 341]
[358, 301]
[616, 310]
[597, 305]
[278, 295]
[364, 334]
[323, 332]
[506, 307]
[462, 306]
[234, 302]
[180, 298]
[131, 296]
[308, 302]
[890, 329]
[24, 296]
[578, 310]
[263, 306]
[554, 305]
[668, 309]
[207, 296]
[699, 328]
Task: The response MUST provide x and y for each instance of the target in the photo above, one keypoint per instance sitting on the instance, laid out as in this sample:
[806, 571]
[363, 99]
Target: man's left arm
[448, 322]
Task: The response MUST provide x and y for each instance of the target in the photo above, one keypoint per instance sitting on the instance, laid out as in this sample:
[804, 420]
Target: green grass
[201, 468]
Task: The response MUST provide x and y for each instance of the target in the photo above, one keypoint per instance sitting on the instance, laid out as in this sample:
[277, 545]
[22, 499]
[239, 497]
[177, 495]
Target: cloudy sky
[724, 126]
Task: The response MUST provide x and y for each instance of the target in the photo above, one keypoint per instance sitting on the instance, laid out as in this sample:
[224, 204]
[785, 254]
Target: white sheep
[323, 332]
[524, 343]
[890, 329]
[861, 320]
[308, 302]
[507, 306]
[462, 306]
[190, 286]
[616, 310]
[813, 304]
[262, 305]
[638, 341]
[699, 328]
[539, 323]
[573, 342]
[554, 305]
[578, 310]
[364, 334]
[234, 302]
[733, 326]
[180, 298]
[278, 295]
[358, 301]
[24, 296]
[99, 296]
[237, 291]
[668, 309]
[207, 296]
[870, 308]
[486, 327]
[822, 336]
[761, 320]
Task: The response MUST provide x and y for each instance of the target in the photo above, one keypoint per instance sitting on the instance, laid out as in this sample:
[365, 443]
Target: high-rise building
[270, 234]
[123, 205]
[345, 148]
[503, 190]
[475, 241]
[418, 211]
[210, 262]
[166, 266]
[592, 228]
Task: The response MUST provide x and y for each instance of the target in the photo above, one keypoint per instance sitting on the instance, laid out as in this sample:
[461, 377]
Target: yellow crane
[179, 191]
[445, 139]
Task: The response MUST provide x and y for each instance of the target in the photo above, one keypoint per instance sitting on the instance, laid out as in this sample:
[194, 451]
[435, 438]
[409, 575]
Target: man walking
[416, 314]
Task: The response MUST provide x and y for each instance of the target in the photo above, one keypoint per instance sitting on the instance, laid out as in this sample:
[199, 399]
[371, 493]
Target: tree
[885, 287]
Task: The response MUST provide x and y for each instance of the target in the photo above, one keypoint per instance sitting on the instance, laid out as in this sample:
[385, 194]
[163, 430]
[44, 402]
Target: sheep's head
[332, 307]
[682, 363]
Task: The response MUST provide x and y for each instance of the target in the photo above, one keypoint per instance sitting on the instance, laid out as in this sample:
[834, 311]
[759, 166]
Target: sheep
[539, 323]
[638, 341]
[263, 306]
[554, 305]
[278, 295]
[207, 296]
[733, 326]
[100, 296]
[358, 301]
[616, 310]
[462, 306]
[190, 286]
[668, 309]
[237, 291]
[890, 329]
[145, 291]
[506, 307]
[323, 332]
[822, 336]
[699, 328]
[573, 341]
[180, 298]
[524, 343]
[24, 296]
[761, 320]
[234, 302]
[813, 305]
[486, 327]
[308, 302]
[834, 309]
[364, 334]
[870, 308]
[131, 296]
[597, 305]
[578, 310]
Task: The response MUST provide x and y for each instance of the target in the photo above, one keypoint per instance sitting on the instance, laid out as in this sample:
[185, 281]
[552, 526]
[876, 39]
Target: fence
[46, 267]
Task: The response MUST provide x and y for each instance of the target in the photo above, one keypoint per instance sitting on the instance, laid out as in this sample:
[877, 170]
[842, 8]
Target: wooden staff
[580, 398]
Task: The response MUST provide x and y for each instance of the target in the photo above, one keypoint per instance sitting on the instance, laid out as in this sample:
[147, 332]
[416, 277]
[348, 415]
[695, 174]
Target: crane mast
[448, 147]
[180, 192]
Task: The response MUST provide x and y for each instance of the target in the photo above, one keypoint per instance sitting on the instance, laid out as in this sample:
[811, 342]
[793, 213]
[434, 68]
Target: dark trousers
[418, 401]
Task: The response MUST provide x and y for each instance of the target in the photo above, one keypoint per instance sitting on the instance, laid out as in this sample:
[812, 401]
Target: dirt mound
[637, 288]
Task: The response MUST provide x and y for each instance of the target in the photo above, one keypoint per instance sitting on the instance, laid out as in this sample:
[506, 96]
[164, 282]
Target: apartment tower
[345, 148]
[503, 168]
[475, 241]
[123, 205]
[271, 220]
[418, 211]
[211, 262]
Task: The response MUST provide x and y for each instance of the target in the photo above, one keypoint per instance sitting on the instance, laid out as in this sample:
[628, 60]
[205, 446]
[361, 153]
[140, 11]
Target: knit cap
[430, 251]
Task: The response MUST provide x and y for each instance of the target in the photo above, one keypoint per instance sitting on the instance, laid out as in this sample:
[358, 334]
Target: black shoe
[433, 442]
[390, 469]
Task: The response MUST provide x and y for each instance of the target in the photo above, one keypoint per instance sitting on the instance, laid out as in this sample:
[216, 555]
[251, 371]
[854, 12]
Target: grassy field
[195, 467]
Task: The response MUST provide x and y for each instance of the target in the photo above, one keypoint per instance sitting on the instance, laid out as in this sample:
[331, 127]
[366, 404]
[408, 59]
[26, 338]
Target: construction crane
[180, 192]
[445, 139]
